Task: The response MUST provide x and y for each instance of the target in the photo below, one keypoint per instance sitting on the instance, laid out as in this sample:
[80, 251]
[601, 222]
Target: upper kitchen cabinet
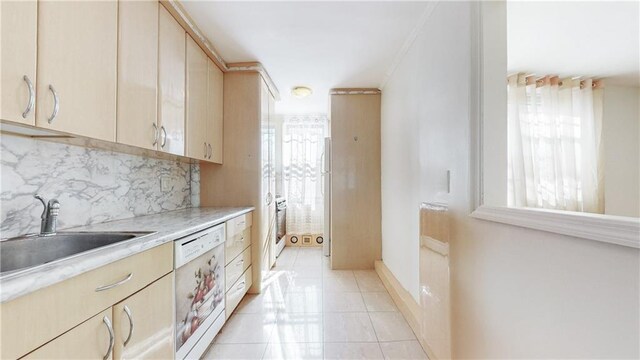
[171, 84]
[18, 64]
[215, 86]
[196, 125]
[76, 88]
[137, 73]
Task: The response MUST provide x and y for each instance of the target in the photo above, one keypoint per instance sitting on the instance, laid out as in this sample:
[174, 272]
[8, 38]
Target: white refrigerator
[326, 192]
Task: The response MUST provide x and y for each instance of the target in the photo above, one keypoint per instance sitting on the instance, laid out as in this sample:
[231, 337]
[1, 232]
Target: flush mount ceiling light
[301, 92]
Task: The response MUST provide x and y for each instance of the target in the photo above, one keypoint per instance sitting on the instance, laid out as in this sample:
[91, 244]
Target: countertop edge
[21, 283]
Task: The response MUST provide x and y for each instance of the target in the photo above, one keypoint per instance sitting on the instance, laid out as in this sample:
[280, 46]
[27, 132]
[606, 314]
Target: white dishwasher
[199, 290]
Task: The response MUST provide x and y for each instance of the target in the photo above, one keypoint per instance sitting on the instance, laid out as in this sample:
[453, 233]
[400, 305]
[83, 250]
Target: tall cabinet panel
[271, 237]
[245, 177]
[76, 88]
[171, 84]
[197, 76]
[18, 64]
[137, 73]
[356, 240]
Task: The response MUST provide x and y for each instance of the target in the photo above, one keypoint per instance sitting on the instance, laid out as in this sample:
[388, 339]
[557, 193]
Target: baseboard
[405, 303]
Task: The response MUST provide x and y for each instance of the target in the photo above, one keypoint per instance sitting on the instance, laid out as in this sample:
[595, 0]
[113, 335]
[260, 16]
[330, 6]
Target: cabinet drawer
[235, 245]
[236, 267]
[60, 307]
[237, 291]
[238, 224]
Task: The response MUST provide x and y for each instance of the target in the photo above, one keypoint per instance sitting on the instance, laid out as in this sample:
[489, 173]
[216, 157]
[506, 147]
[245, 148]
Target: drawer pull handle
[128, 312]
[164, 136]
[155, 134]
[56, 104]
[117, 283]
[107, 322]
[241, 239]
[240, 286]
[240, 263]
[32, 97]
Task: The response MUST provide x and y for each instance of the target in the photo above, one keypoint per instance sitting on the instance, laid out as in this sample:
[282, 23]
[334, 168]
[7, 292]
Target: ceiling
[322, 45]
[599, 39]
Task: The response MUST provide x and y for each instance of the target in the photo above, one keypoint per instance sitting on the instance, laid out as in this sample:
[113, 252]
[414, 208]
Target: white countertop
[166, 227]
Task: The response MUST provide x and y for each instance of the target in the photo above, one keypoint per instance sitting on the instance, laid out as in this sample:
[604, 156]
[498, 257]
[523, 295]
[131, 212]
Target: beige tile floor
[308, 311]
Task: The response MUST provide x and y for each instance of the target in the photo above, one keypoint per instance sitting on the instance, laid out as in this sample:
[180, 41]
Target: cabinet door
[145, 322]
[272, 181]
[196, 101]
[214, 112]
[267, 196]
[171, 80]
[18, 26]
[137, 73]
[77, 43]
[89, 340]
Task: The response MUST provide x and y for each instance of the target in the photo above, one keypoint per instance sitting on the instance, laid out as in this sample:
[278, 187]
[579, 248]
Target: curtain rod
[555, 80]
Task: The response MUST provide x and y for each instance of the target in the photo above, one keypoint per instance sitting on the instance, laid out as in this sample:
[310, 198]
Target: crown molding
[259, 68]
[177, 10]
[355, 91]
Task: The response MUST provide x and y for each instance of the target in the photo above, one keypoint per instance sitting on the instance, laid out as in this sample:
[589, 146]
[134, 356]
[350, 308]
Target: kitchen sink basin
[29, 251]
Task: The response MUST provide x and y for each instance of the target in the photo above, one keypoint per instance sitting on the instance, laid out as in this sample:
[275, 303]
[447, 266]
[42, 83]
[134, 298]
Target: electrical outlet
[165, 183]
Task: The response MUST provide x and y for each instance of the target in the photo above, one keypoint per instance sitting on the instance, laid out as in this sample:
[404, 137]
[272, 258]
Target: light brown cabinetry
[18, 29]
[171, 84]
[238, 253]
[72, 301]
[143, 323]
[76, 88]
[248, 142]
[356, 240]
[196, 124]
[215, 84]
[89, 340]
[137, 73]
[204, 105]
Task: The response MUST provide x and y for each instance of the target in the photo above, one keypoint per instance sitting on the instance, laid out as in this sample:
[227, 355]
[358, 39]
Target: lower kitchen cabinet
[138, 327]
[89, 340]
[143, 323]
[40, 319]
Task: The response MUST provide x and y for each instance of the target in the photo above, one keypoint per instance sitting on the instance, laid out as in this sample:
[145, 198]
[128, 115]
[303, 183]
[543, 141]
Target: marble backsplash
[92, 185]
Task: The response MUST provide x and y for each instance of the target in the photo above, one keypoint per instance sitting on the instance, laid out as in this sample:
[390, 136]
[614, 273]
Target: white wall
[621, 138]
[516, 293]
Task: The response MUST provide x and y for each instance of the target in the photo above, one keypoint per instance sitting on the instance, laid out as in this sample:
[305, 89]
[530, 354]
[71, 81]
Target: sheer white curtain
[302, 151]
[554, 140]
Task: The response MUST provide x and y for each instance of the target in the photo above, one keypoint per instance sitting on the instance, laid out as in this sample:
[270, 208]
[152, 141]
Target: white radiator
[434, 280]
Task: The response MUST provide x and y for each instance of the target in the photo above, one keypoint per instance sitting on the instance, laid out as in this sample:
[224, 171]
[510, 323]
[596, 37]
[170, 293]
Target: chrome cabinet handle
[115, 284]
[155, 134]
[128, 312]
[107, 322]
[56, 104]
[205, 150]
[210, 151]
[32, 97]
[241, 262]
[269, 198]
[240, 286]
[164, 137]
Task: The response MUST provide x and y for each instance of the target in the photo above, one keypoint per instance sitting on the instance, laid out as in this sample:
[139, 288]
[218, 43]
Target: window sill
[619, 230]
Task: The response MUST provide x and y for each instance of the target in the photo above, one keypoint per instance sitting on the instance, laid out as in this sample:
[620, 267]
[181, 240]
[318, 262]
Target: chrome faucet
[49, 216]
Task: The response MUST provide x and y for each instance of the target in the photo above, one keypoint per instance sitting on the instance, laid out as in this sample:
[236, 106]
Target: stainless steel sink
[29, 251]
